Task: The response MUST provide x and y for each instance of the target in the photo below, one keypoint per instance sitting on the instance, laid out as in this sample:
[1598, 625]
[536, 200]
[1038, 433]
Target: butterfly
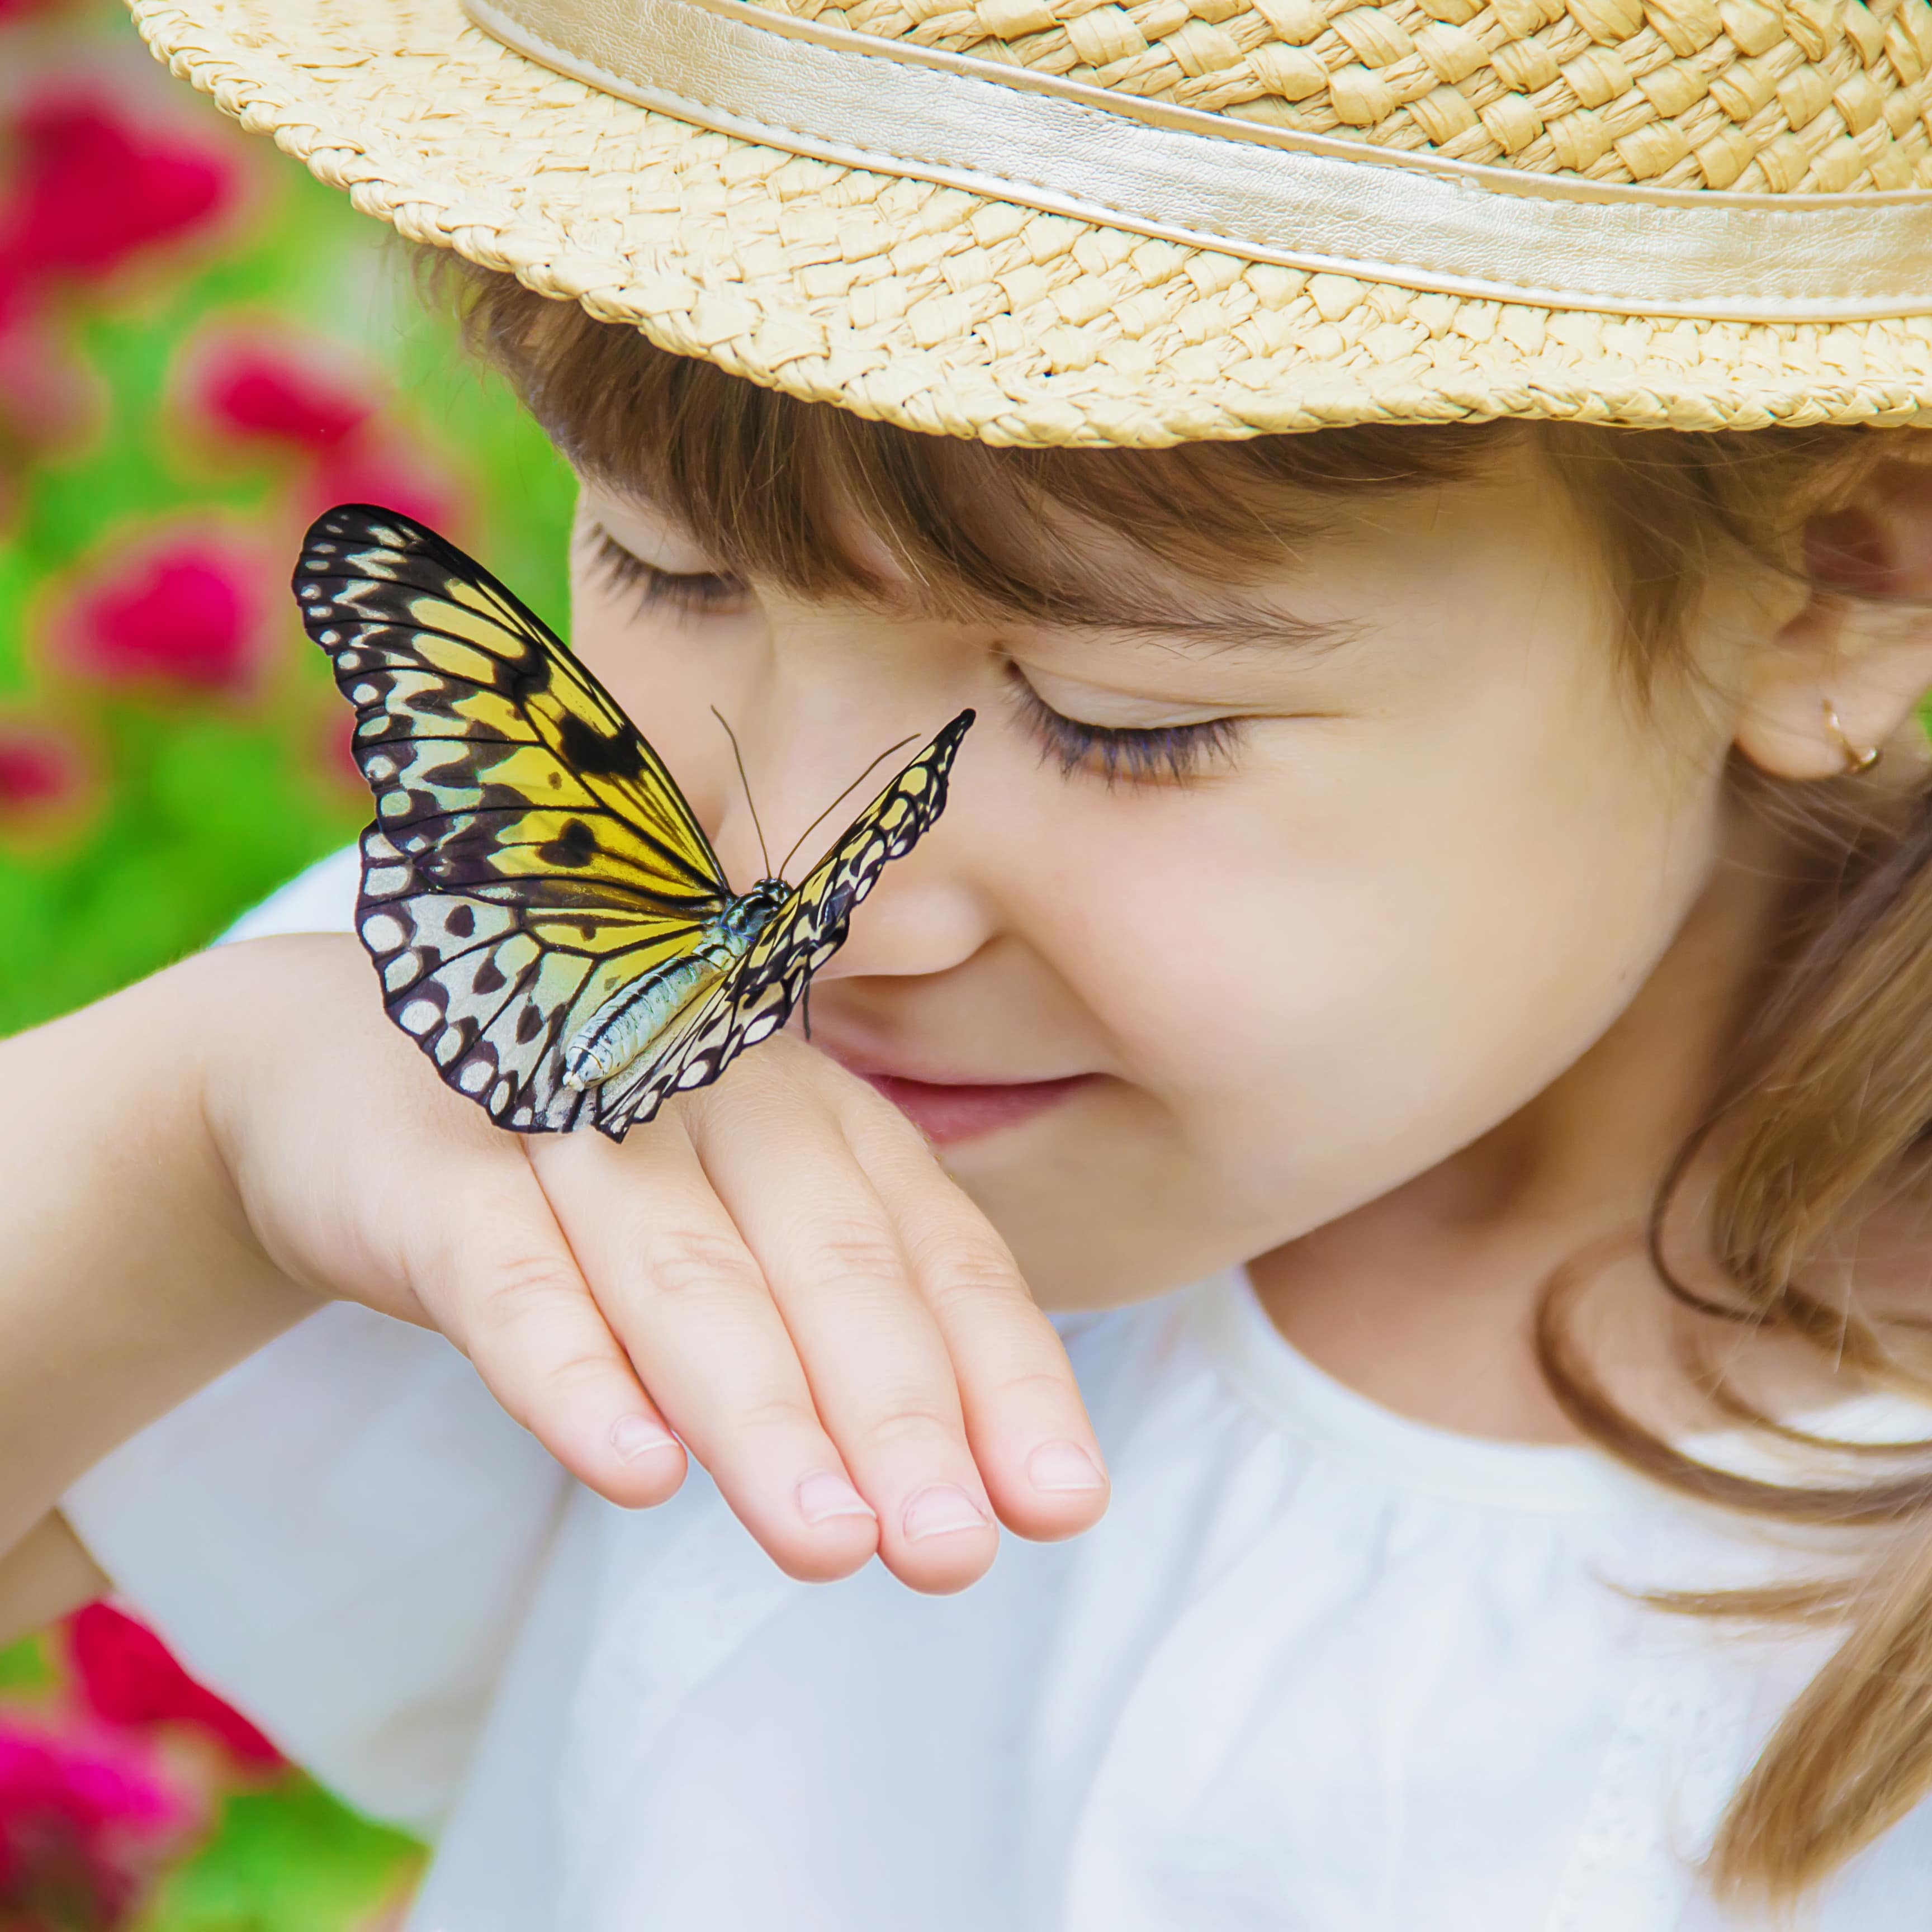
[549, 921]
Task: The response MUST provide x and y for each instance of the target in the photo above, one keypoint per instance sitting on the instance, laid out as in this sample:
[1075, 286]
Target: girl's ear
[1857, 651]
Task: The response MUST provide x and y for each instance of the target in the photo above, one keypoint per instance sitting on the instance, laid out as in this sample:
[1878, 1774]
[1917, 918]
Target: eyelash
[1171, 754]
[694, 593]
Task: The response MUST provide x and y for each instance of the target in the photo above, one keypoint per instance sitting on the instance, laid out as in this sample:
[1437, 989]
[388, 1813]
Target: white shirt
[1320, 1669]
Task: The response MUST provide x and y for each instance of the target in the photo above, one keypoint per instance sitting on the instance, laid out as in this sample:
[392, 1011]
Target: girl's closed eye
[693, 592]
[1171, 754]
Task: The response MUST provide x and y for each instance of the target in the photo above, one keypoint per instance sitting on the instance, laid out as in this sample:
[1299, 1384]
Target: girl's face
[1387, 844]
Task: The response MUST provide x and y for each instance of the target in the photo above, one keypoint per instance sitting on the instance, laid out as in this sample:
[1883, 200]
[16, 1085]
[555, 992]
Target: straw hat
[1089, 221]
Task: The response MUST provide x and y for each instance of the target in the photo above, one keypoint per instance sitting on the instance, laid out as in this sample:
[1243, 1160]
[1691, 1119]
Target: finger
[1025, 1422]
[498, 1278]
[691, 1307]
[877, 1365]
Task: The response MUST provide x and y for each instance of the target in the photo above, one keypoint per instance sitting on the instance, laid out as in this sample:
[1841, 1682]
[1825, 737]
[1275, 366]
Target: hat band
[1212, 181]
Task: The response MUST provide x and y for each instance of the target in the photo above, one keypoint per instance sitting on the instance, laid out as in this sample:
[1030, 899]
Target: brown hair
[1828, 1094]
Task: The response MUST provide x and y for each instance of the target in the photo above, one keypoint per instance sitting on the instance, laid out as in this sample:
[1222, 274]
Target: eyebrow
[1151, 604]
[1236, 624]
[1214, 622]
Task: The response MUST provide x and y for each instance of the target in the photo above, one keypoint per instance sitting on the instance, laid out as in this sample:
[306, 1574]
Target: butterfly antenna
[763, 853]
[911, 738]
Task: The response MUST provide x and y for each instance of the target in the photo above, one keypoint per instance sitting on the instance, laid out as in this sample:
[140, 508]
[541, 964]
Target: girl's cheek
[1325, 1027]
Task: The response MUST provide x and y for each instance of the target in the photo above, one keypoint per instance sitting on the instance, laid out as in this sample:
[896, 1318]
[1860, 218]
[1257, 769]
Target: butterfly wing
[531, 855]
[755, 997]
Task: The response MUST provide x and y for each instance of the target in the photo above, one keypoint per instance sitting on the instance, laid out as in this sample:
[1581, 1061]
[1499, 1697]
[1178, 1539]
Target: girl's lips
[949, 1114]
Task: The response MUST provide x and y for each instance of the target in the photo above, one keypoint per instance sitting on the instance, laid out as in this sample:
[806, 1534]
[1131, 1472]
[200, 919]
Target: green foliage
[24, 1667]
[286, 1860]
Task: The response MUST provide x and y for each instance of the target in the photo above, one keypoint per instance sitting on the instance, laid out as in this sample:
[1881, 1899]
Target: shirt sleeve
[340, 1535]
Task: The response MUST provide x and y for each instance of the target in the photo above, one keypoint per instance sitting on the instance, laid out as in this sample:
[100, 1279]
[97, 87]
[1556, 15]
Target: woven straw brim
[937, 309]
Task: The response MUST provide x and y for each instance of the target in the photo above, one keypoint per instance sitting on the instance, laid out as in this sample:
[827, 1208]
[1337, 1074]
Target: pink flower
[261, 391]
[126, 1677]
[92, 189]
[39, 770]
[81, 1828]
[187, 611]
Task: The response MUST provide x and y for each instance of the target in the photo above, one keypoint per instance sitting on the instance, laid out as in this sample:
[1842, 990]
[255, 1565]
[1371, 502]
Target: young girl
[1430, 883]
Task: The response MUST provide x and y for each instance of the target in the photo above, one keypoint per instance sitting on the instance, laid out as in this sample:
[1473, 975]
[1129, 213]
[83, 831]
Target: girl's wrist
[129, 1275]
[228, 1009]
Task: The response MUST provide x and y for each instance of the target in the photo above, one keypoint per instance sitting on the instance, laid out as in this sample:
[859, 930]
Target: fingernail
[1064, 1469]
[822, 1495]
[942, 1510]
[636, 1436]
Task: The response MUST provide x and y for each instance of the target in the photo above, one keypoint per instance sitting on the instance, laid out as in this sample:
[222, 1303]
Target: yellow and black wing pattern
[534, 880]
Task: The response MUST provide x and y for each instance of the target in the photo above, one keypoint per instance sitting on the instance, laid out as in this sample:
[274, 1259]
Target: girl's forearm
[128, 1277]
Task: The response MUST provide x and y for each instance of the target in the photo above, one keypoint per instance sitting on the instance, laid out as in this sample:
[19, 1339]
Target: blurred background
[200, 348]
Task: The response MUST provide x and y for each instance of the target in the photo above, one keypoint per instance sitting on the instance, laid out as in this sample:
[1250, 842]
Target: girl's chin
[948, 1114]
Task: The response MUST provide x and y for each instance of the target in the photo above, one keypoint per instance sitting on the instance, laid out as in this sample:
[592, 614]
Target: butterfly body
[625, 1026]
[549, 921]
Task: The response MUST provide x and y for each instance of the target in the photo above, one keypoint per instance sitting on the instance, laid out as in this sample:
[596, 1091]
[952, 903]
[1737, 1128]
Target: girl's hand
[776, 1266]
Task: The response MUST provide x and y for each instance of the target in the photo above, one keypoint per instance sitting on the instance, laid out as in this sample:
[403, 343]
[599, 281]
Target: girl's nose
[924, 914]
[923, 917]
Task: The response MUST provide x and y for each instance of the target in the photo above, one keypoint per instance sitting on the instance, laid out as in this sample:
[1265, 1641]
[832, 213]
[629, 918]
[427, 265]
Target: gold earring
[1857, 758]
